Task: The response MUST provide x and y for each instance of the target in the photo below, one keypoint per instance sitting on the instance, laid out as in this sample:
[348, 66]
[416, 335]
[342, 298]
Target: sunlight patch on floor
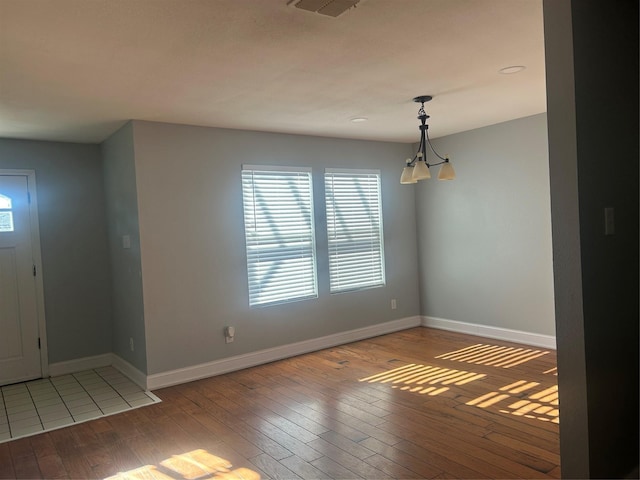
[493, 355]
[423, 379]
[197, 464]
[541, 405]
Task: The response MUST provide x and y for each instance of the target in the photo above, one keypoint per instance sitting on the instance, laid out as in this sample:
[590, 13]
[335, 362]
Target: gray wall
[75, 259]
[122, 220]
[484, 239]
[193, 252]
[592, 84]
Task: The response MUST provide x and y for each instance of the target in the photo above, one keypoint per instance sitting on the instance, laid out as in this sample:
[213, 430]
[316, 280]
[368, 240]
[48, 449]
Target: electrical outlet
[393, 304]
[131, 343]
[229, 333]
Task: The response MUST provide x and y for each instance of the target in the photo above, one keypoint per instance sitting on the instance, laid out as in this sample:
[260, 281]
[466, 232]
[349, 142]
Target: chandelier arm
[444, 159]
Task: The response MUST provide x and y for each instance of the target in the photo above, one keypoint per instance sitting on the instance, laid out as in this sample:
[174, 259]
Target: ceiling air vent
[332, 8]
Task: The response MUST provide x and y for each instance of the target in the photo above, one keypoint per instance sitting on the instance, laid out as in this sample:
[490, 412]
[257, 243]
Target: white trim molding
[238, 362]
[98, 361]
[517, 336]
[129, 371]
[79, 364]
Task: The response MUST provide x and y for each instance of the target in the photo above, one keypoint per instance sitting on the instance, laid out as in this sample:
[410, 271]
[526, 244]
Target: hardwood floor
[421, 403]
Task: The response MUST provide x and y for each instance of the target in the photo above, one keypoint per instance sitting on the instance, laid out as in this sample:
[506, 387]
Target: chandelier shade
[421, 170]
[447, 172]
[418, 167]
[407, 174]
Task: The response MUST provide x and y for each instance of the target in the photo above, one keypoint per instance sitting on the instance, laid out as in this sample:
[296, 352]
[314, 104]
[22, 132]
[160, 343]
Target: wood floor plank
[27, 466]
[392, 469]
[80, 436]
[263, 442]
[350, 426]
[540, 454]
[349, 446]
[273, 468]
[364, 412]
[24, 459]
[426, 462]
[290, 427]
[256, 437]
[416, 464]
[333, 469]
[289, 442]
[311, 375]
[327, 418]
[466, 451]
[76, 467]
[6, 463]
[487, 467]
[145, 450]
[51, 466]
[302, 468]
[516, 428]
[290, 414]
[393, 406]
[228, 452]
[124, 425]
[220, 430]
[43, 445]
[20, 448]
[347, 460]
[285, 432]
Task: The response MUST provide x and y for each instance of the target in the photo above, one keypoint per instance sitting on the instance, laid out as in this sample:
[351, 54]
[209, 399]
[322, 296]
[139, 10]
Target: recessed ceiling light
[359, 119]
[512, 69]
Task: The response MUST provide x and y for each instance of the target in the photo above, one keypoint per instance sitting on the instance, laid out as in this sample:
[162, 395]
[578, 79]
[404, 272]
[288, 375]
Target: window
[6, 215]
[354, 229]
[279, 230]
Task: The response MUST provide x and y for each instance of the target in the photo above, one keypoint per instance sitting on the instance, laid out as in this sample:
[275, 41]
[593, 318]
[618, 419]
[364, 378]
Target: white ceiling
[76, 70]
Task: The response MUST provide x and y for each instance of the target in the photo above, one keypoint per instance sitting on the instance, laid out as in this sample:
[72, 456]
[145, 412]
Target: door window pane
[6, 215]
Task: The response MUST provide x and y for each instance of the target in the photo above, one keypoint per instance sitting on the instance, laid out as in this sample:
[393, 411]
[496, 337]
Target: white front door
[19, 338]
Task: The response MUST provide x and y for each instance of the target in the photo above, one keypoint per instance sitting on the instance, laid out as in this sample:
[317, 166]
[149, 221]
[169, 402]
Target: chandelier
[418, 167]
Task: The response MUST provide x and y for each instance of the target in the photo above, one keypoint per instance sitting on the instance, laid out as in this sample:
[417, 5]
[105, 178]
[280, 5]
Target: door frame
[37, 261]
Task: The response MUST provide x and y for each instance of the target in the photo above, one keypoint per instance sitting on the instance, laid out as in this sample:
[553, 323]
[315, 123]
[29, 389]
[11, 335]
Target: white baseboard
[517, 336]
[98, 361]
[225, 365]
[238, 362]
[129, 371]
[79, 364]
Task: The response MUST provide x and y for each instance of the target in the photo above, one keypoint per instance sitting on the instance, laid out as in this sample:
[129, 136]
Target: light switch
[126, 241]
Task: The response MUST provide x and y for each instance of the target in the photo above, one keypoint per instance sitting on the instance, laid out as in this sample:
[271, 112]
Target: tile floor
[49, 403]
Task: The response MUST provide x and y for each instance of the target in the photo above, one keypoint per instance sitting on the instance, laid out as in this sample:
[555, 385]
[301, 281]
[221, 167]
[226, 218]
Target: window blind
[354, 229]
[279, 230]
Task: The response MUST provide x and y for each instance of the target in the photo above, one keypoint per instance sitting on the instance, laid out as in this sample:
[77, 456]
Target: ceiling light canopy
[418, 167]
[332, 8]
[512, 69]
